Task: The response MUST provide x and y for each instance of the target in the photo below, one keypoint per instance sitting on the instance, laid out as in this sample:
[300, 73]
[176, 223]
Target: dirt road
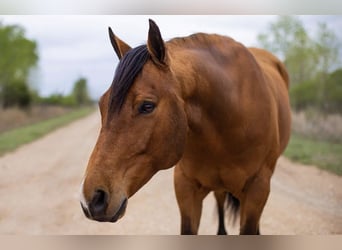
[39, 186]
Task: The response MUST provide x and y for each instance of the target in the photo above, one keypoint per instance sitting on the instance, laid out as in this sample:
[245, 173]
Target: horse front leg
[190, 195]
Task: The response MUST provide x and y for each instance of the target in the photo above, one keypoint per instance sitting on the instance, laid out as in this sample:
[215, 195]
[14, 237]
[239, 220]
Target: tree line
[79, 96]
[18, 57]
[312, 60]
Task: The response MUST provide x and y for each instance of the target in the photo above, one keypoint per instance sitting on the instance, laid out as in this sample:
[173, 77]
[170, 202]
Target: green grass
[323, 154]
[11, 139]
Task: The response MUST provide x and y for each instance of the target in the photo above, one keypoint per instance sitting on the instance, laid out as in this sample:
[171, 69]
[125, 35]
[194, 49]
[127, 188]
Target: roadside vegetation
[324, 154]
[316, 140]
[11, 139]
[314, 66]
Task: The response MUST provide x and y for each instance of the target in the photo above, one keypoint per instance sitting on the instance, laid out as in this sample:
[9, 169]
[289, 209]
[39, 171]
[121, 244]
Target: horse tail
[233, 208]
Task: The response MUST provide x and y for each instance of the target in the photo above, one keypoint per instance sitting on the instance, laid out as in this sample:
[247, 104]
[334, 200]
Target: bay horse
[217, 111]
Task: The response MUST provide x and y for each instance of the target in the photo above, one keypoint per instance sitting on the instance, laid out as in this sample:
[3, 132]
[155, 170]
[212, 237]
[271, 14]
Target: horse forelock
[126, 72]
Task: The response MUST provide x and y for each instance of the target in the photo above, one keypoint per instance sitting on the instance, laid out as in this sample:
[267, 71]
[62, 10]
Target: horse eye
[146, 107]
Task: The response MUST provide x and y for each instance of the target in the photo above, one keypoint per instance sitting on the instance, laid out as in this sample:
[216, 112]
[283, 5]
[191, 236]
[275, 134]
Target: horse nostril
[99, 203]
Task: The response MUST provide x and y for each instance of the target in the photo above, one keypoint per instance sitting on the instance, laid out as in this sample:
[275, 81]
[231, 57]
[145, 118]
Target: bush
[58, 99]
[324, 95]
[334, 92]
[304, 95]
[16, 93]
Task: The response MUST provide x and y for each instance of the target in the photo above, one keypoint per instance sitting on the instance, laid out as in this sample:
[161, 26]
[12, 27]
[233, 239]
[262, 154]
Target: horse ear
[155, 43]
[120, 47]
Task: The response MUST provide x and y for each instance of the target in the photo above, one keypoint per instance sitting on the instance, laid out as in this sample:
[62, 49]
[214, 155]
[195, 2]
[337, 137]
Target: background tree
[334, 91]
[288, 39]
[18, 55]
[16, 94]
[309, 60]
[281, 34]
[80, 92]
[327, 47]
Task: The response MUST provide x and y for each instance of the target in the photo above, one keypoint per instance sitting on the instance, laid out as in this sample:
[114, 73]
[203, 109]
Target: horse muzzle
[100, 209]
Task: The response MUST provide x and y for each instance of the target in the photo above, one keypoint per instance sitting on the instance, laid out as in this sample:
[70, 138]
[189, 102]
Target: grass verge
[323, 154]
[11, 139]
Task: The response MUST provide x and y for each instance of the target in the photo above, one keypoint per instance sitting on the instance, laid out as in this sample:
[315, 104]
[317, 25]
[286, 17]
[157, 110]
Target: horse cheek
[176, 138]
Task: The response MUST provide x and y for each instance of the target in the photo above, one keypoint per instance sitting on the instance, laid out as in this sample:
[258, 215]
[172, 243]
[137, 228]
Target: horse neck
[199, 63]
[199, 86]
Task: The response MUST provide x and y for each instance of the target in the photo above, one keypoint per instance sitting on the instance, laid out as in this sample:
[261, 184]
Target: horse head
[143, 128]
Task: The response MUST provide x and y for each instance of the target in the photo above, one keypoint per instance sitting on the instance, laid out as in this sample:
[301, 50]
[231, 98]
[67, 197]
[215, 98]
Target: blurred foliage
[328, 99]
[18, 55]
[334, 91]
[288, 39]
[78, 97]
[57, 100]
[80, 92]
[16, 93]
[309, 60]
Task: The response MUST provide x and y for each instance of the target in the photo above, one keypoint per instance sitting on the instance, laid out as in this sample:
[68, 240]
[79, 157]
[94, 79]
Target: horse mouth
[119, 214]
[121, 211]
[85, 211]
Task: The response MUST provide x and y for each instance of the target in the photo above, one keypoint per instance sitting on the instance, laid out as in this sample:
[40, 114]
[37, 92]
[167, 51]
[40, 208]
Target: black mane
[126, 72]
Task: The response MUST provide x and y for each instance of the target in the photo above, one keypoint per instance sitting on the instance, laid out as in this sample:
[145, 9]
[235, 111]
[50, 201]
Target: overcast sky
[78, 46]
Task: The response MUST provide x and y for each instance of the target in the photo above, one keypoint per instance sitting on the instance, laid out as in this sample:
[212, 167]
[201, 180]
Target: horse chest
[216, 175]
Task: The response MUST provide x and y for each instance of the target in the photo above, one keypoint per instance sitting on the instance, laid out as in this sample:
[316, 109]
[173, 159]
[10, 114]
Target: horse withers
[205, 103]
